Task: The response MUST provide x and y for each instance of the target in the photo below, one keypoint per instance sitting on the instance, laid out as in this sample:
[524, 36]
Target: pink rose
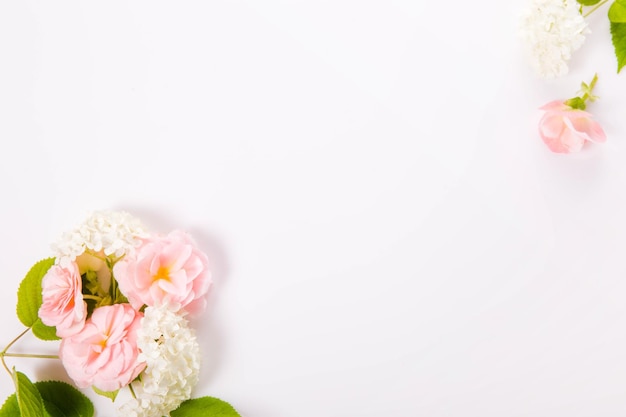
[104, 353]
[165, 269]
[63, 305]
[565, 129]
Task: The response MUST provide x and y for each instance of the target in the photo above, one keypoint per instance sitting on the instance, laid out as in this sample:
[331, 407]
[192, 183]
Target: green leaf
[29, 300]
[576, 103]
[617, 12]
[58, 400]
[588, 2]
[29, 400]
[63, 400]
[44, 332]
[10, 407]
[618, 33]
[109, 394]
[52, 410]
[204, 407]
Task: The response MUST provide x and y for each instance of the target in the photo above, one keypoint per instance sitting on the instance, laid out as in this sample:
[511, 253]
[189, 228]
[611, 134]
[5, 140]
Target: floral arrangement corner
[118, 299]
[552, 31]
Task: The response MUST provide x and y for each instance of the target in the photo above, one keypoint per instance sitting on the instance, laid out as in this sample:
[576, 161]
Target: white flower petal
[172, 356]
[114, 232]
[551, 31]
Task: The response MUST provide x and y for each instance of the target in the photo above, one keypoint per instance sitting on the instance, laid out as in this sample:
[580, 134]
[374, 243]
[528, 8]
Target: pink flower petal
[104, 353]
[572, 140]
[552, 125]
[590, 128]
[556, 105]
[565, 130]
[164, 269]
[62, 297]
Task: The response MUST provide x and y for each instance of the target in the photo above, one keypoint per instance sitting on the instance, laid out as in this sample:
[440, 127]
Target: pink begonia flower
[565, 129]
[104, 353]
[63, 305]
[165, 270]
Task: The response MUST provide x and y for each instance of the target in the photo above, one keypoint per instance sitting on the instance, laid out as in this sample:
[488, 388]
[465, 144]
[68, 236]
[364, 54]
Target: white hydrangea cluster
[113, 232]
[172, 355]
[552, 30]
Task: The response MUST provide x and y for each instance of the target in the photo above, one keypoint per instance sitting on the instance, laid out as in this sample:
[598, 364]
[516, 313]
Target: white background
[388, 234]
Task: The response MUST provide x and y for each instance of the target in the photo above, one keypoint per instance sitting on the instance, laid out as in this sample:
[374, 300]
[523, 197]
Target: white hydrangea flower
[552, 30]
[172, 355]
[113, 232]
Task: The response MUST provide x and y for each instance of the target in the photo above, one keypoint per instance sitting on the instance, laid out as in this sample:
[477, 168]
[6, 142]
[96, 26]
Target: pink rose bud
[104, 353]
[165, 270]
[63, 304]
[565, 129]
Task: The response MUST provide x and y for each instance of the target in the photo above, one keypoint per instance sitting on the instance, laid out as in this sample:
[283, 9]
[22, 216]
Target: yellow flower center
[103, 342]
[162, 273]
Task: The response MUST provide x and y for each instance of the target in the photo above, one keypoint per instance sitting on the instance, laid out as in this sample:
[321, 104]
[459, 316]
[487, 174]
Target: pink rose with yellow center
[104, 353]
[165, 269]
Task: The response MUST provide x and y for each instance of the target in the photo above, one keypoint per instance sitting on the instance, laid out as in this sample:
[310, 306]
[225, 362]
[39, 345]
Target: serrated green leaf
[618, 33]
[63, 400]
[112, 395]
[29, 400]
[29, 292]
[588, 2]
[203, 407]
[617, 12]
[10, 407]
[44, 332]
[52, 410]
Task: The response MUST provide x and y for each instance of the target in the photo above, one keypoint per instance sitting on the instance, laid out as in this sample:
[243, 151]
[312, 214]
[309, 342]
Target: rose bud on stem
[566, 126]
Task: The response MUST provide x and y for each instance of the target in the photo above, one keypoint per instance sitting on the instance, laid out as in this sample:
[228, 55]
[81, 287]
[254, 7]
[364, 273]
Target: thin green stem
[113, 287]
[91, 297]
[587, 90]
[4, 352]
[97, 254]
[13, 341]
[594, 80]
[111, 260]
[5, 366]
[29, 355]
[596, 7]
[132, 391]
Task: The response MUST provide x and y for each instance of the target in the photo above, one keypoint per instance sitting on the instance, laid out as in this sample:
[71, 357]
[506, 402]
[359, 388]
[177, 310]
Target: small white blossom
[172, 355]
[552, 30]
[113, 232]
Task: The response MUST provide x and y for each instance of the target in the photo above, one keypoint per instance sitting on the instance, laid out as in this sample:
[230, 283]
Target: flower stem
[587, 90]
[4, 352]
[596, 7]
[14, 340]
[586, 93]
[4, 364]
[103, 258]
[29, 355]
[132, 391]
